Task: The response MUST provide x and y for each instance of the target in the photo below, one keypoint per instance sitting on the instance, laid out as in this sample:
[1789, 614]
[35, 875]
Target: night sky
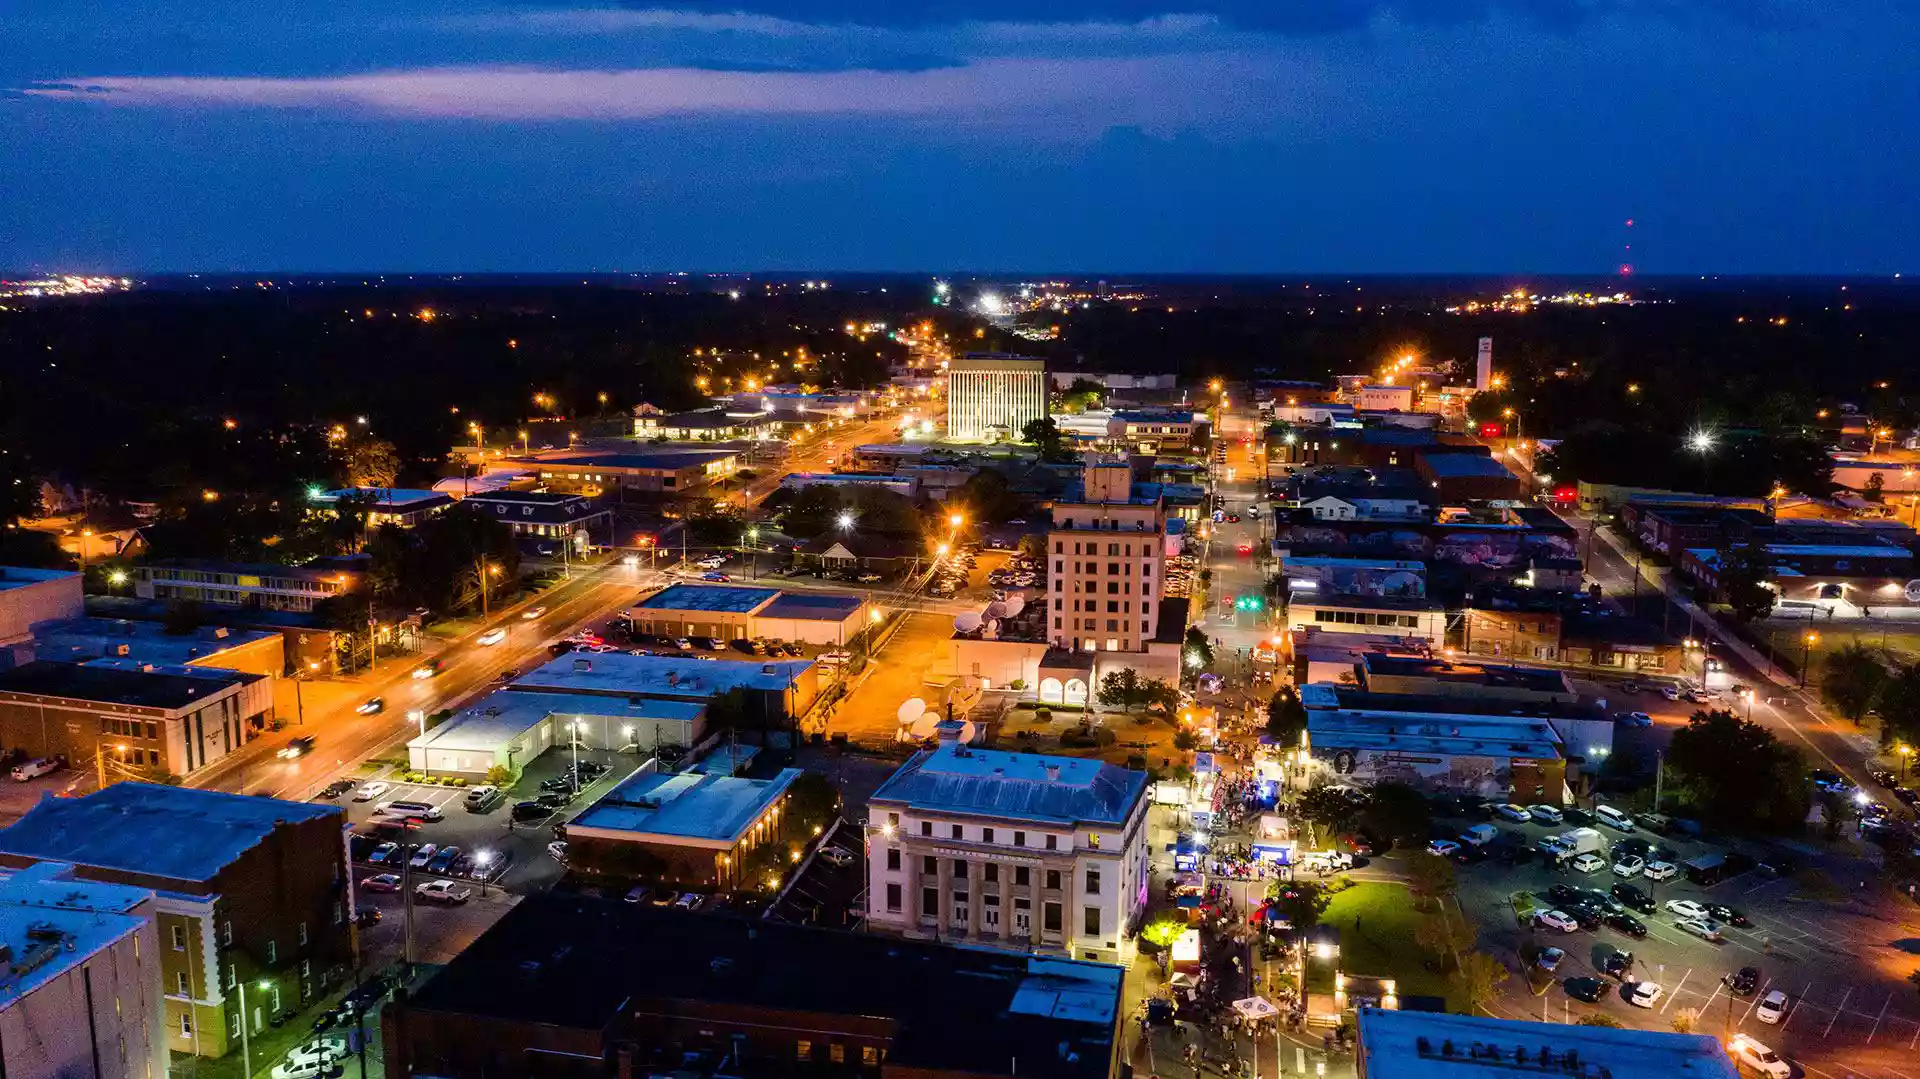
[1755, 136]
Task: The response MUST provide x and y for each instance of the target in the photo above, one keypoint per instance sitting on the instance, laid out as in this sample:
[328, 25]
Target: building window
[1053, 842]
[1053, 879]
[179, 934]
[1051, 918]
[273, 952]
[1093, 840]
[1019, 839]
[303, 934]
[186, 1024]
[226, 932]
[929, 902]
[959, 832]
[1093, 882]
[869, 1055]
[180, 986]
[893, 897]
[1093, 921]
[893, 822]
[929, 864]
[986, 835]
[926, 828]
[803, 1050]
[837, 1053]
[1020, 875]
[990, 872]
[893, 858]
[233, 1028]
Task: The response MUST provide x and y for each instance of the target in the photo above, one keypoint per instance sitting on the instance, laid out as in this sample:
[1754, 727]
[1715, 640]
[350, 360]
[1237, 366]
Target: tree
[1119, 689]
[1430, 878]
[1477, 979]
[372, 462]
[1043, 434]
[1851, 680]
[1299, 904]
[1898, 702]
[1084, 394]
[1445, 936]
[1160, 935]
[1744, 573]
[1328, 807]
[1875, 488]
[1197, 649]
[1286, 716]
[1736, 774]
[1685, 1020]
[987, 498]
[183, 616]
[1398, 812]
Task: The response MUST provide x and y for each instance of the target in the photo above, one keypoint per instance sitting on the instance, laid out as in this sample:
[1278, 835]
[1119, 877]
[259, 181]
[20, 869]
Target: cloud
[1158, 93]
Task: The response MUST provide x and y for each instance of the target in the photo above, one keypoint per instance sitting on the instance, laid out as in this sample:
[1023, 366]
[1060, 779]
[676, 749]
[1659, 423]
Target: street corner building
[252, 908]
[1434, 1045]
[569, 987]
[1010, 850]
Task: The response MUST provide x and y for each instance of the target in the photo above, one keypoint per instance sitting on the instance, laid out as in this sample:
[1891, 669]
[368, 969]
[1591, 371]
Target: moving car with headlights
[1753, 1056]
[297, 748]
[491, 637]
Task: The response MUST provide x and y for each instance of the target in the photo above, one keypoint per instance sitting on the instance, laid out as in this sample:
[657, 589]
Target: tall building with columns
[993, 396]
[1108, 544]
[1012, 850]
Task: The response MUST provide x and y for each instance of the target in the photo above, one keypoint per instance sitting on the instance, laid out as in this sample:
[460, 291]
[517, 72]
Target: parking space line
[1711, 997]
[1844, 997]
[1757, 997]
[1878, 1018]
[1915, 1040]
[1676, 991]
[1793, 1008]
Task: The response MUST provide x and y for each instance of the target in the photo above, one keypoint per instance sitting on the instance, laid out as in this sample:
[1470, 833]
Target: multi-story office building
[1108, 547]
[263, 586]
[1012, 850]
[172, 720]
[254, 906]
[80, 992]
[994, 396]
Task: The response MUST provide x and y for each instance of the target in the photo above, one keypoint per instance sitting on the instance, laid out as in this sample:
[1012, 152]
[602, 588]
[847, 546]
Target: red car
[1245, 548]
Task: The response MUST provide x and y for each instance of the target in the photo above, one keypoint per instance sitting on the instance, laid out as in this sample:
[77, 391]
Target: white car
[557, 850]
[1702, 928]
[1553, 919]
[532, 613]
[1514, 813]
[1758, 1058]
[1643, 994]
[1326, 860]
[1772, 1008]
[370, 791]
[1629, 865]
[1660, 871]
[491, 637]
[1685, 908]
[1445, 848]
[1546, 814]
[1671, 693]
[1589, 863]
[443, 891]
[423, 854]
[321, 1052]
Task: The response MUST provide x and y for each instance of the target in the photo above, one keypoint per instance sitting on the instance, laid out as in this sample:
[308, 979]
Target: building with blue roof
[401, 506]
[1011, 850]
[688, 827]
[729, 612]
[249, 890]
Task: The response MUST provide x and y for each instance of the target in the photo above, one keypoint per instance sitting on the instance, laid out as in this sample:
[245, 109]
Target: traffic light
[1248, 603]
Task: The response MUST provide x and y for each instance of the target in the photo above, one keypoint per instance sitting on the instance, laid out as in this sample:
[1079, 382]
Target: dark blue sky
[1118, 135]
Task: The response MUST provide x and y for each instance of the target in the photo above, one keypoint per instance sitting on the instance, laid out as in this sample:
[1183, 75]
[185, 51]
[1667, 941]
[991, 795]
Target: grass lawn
[1376, 923]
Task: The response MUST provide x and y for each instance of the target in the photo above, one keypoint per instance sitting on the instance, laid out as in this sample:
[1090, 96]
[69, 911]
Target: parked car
[369, 791]
[385, 854]
[1633, 897]
[1514, 813]
[483, 798]
[1587, 989]
[1633, 719]
[1772, 1007]
[1660, 871]
[442, 891]
[35, 768]
[1445, 848]
[1642, 994]
[381, 882]
[1556, 919]
[1589, 863]
[1628, 924]
[1627, 865]
[1720, 912]
[1742, 982]
[1545, 814]
[1617, 965]
[530, 811]
[1669, 692]
[443, 859]
[1686, 908]
[557, 850]
[1549, 959]
[1702, 928]
[690, 901]
[337, 788]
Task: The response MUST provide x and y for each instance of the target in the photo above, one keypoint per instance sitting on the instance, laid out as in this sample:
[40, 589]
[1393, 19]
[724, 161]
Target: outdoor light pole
[1806, 654]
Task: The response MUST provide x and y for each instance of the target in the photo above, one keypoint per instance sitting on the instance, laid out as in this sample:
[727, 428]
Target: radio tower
[1626, 251]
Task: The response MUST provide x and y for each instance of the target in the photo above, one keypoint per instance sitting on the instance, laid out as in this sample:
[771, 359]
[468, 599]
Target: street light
[845, 520]
[246, 1048]
[1700, 441]
[1905, 752]
[1806, 655]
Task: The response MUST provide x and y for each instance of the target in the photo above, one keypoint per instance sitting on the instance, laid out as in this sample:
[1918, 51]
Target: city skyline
[1208, 136]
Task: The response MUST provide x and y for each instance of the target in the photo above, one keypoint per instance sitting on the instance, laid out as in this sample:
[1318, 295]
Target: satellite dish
[967, 623]
[992, 629]
[1014, 604]
[995, 610]
[1913, 591]
[911, 709]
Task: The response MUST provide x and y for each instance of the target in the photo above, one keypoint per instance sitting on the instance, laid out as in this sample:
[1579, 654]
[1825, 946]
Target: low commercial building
[1521, 632]
[702, 425]
[697, 828]
[1439, 1045]
[869, 552]
[1461, 476]
[1010, 850]
[30, 598]
[1821, 575]
[906, 486]
[1493, 748]
[1334, 508]
[508, 728]
[736, 612]
[603, 988]
[398, 506]
[252, 898]
[1313, 575]
[77, 640]
[545, 517]
[81, 989]
[659, 471]
[773, 689]
[1406, 617]
[166, 720]
[240, 584]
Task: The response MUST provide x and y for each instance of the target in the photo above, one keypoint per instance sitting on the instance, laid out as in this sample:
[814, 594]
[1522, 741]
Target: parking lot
[830, 890]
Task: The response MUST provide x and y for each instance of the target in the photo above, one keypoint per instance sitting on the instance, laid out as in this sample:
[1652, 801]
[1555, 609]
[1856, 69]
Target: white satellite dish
[995, 610]
[911, 709]
[1014, 604]
[967, 623]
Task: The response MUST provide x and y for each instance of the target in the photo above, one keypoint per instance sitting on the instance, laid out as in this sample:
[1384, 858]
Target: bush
[1338, 884]
[1103, 737]
[1043, 715]
[500, 775]
[1184, 741]
[1017, 684]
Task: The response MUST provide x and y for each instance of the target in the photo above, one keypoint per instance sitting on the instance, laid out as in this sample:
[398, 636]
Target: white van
[1613, 818]
[424, 811]
[34, 769]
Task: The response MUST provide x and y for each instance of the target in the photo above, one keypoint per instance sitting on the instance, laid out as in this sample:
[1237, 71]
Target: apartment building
[1108, 547]
[80, 991]
[253, 903]
[994, 396]
[263, 586]
[1010, 850]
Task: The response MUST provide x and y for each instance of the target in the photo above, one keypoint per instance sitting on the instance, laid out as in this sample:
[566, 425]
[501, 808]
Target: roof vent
[1053, 773]
[580, 665]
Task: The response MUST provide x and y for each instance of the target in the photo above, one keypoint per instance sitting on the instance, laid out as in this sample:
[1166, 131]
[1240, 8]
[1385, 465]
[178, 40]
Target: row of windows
[130, 728]
[836, 1052]
[1114, 588]
[1367, 618]
[1113, 568]
[1100, 525]
[959, 831]
[1093, 624]
[1114, 606]
[1114, 550]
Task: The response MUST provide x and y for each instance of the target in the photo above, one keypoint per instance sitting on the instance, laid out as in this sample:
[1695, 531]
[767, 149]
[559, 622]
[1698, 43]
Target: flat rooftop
[77, 639]
[808, 606]
[1022, 786]
[506, 714]
[658, 676]
[525, 498]
[12, 577]
[706, 808]
[178, 832]
[1331, 696]
[401, 498]
[1401, 1043]
[51, 923]
[1465, 466]
[1330, 600]
[725, 599]
[249, 569]
[579, 963]
[114, 684]
[668, 459]
[1540, 679]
